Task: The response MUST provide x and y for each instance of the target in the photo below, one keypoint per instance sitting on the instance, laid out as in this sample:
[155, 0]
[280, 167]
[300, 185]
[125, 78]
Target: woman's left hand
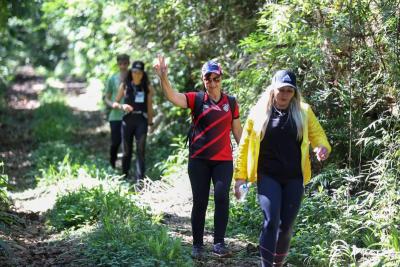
[161, 67]
[321, 152]
[238, 183]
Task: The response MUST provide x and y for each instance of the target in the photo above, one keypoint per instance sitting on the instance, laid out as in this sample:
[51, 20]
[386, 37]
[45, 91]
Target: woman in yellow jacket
[274, 152]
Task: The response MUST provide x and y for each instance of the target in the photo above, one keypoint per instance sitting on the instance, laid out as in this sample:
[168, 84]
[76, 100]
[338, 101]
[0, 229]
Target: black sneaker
[138, 185]
[197, 252]
[221, 250]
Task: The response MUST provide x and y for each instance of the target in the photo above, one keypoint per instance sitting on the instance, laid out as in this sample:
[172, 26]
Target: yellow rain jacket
[247, 159]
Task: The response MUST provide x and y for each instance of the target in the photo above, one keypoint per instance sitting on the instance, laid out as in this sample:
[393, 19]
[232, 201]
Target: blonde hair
[262, 111]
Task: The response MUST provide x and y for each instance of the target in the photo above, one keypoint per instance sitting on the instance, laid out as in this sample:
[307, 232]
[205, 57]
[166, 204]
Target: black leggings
[201, 172]
[280, 204]
[115, 127]
[134, 125]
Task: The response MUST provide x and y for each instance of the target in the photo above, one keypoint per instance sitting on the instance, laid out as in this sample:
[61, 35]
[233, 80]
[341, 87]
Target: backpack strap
[198, 105]
[232, 104]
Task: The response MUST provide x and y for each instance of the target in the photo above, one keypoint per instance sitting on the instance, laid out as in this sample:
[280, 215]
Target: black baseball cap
[283, 78]
[138, 65]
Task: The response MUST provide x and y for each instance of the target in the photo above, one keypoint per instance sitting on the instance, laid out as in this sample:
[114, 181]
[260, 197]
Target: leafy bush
[178, 156]
[245, 218]
[58, 171]
[53, 120]
[6, 218]
[72, 167]
[334, 227]
[52, 152]
[126, 234]
[77, 208]
[4, 186]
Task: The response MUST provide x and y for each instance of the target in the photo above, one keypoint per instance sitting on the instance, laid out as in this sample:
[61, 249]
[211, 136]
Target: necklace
[280, 115]
[279, 112]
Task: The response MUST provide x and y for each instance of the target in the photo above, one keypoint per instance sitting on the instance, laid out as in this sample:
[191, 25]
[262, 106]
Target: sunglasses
[215, 79]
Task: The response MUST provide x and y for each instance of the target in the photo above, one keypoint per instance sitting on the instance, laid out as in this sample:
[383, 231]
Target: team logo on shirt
[225, 107]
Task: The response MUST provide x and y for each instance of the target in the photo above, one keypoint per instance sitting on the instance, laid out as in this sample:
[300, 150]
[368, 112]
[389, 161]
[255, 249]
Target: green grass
[4, 186]
[77, 208]
[126, 234]
[57, 161]
[54, 119]
[245, 218]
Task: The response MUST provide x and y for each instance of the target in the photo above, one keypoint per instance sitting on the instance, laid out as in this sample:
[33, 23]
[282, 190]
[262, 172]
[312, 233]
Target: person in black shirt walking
[138, 108]
[274, 152]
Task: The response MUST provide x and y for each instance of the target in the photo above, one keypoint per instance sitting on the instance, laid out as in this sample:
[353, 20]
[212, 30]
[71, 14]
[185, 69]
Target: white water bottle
[243, 190]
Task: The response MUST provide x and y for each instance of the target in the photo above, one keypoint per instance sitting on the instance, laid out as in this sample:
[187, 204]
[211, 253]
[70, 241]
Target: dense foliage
[347, 63]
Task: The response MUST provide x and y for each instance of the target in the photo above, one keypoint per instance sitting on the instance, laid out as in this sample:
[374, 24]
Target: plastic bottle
[243, 190]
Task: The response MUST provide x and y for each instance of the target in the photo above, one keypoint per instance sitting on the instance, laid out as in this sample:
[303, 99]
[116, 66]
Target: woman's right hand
[238, 183]
[160, 67]
[127, 108]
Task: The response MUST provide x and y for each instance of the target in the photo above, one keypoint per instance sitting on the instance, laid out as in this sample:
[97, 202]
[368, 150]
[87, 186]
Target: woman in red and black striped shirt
[210, 150]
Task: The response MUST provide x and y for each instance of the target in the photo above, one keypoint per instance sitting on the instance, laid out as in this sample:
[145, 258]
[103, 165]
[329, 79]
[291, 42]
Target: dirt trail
[27, 242]
[173, 201]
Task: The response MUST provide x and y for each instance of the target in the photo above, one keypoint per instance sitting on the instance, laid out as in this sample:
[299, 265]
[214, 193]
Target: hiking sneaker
[197, 252]
[221, 250]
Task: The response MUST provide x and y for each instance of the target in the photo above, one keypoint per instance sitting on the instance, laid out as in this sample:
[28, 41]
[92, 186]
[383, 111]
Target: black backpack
[198, 108]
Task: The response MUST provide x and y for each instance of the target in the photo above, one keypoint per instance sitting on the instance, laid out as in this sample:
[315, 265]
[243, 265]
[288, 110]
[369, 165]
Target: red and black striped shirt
[211, 137]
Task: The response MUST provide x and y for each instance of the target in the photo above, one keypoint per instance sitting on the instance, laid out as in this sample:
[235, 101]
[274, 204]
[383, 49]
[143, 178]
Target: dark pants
[134, 125]
[280, 204]
[201, 172]
[115, 127]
